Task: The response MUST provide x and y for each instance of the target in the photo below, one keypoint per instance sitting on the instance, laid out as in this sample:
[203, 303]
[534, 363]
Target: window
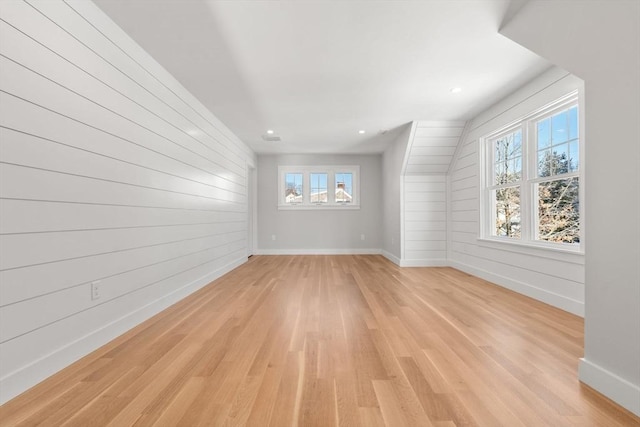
[344, 187]
[531, 179]
[318, 187]
[293, 188]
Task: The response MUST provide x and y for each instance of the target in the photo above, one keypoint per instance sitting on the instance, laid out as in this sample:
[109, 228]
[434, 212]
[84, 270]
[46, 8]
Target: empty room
[320, 213]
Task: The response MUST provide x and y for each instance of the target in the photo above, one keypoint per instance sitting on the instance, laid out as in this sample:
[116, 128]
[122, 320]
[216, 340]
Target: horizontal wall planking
[424, 187]
[543, 263]
[533, 279]
[439, 178]
[468, 148]
[29, 315]
[424, 226]
[422, 255]
[425, 245]
[426, 169]
[112, 158]
[33, 49]
[37, 184]
[465, 205]
[466, 172]
[470, 227]
[425, 216]
[46, 65]
[465, 194]
[28, 216]
[426, 235]
[425, 124]
[425, 207]
[102, 58]
[433, 151]
[20, 115]
[432, 196]
[462, 184]
[21, 82]
[465, 216]
[38, 344]
[466, 162]
[11, 84]
[548, 87]
[430, 142]
[464, 237]
[24, 283]
[432, 159]
[465, 226]
[437, 132]
[26, 150]
[21, 250]
[151, 73]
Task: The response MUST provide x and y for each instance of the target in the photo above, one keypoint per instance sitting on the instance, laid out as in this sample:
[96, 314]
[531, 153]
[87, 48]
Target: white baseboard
[556, 300]
[424, 263]
[357, 251]
[391, 257]
[615, 388]
[26, 377]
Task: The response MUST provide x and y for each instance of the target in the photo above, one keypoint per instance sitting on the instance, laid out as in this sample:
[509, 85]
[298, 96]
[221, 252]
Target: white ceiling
[316, 72]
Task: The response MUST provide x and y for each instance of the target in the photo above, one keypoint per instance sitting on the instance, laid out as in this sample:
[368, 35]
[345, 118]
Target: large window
[318, 187]
[531, 187]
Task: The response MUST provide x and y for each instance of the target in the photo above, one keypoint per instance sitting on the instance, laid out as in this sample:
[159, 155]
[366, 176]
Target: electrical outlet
[362, 237]
[273, 237]
[95, 290]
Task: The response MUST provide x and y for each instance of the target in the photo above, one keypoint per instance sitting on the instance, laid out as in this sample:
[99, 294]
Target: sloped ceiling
[432, 147]
[317, 72]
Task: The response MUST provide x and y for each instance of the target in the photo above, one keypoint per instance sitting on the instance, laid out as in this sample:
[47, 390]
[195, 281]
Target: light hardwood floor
[333, 340]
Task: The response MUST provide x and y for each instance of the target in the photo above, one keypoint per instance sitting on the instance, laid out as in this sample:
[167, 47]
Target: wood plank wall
[110, 171]
[552, 277]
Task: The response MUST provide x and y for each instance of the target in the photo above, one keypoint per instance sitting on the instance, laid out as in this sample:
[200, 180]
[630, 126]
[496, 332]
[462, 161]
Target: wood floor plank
[333, 341]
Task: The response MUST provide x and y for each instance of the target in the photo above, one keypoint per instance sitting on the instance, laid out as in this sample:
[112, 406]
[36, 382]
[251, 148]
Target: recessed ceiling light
[192, 132]
[361, 131]
[270, 132]
[455, 90]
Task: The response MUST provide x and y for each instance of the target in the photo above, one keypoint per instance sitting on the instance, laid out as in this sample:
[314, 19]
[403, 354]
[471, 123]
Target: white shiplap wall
[110, 171]
[425, 220]
[553, 277]
[430, 150]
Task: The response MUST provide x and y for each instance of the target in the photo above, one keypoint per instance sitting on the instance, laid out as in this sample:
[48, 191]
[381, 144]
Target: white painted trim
[407, 153]
[556, 300]
[28, 376]
[391, 257]
[540, 250]
[609, 384]
[318, 207]
[461, 144]
[331, 172]
[439, 262]
[356, 251]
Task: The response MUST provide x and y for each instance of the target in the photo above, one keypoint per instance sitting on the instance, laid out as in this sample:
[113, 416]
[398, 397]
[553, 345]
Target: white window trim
[331, 172]
[527, 243]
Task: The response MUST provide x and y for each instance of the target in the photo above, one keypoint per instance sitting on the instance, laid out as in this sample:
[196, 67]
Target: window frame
[331, 172]
[528, 240]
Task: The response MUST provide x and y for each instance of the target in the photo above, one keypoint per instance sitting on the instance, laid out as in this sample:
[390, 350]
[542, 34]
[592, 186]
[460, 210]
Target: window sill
[317, 207]
[572, 255]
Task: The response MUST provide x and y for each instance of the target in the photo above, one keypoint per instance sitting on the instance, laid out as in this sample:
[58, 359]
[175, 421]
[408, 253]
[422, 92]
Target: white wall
[551, 277]
[599, 41]
[430, 151]
[392, 169]
[326, 230]
[424, 231]
[110, 172]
